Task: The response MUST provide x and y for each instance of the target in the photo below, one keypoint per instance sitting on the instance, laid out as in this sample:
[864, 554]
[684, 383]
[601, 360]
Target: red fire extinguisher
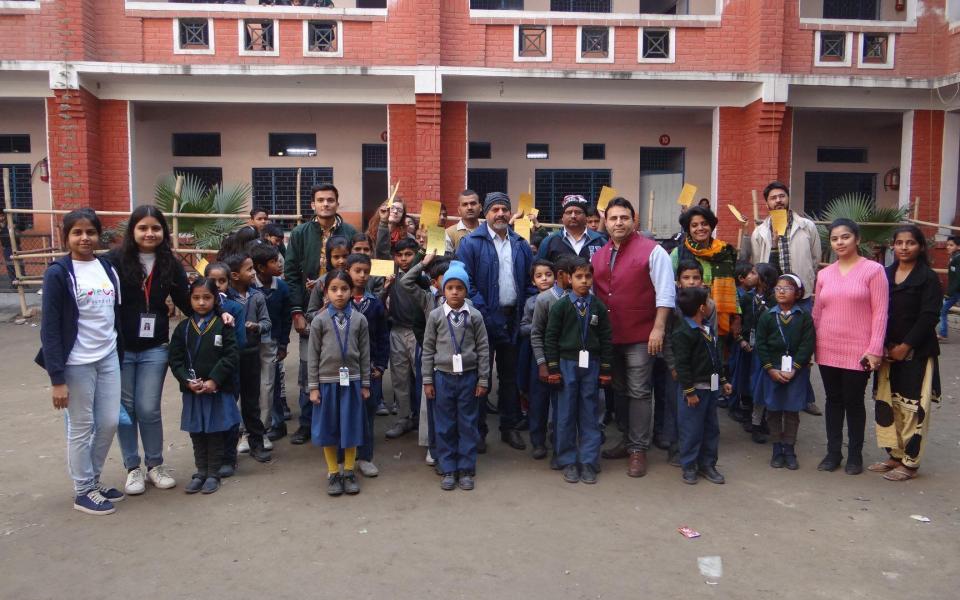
[900, 5]
[44, 167]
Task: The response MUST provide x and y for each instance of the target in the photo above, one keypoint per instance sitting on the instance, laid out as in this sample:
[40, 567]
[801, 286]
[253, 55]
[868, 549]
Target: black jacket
[914, 310]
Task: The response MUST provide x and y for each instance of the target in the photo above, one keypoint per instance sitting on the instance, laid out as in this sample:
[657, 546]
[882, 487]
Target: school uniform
[406, 334]
[542, 399]
[761, 304]
[249, 367]
[451, 333]
[205, 348]
[338, 340]
[740, 365]
[697, 358]
[576, 325]
[372, 309]
[276, 295]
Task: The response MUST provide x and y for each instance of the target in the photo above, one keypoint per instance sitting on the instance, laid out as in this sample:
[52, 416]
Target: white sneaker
[367, 468]
[243, 447]
[267, 444]
[430, 460]
[160, 477]
[134, 485]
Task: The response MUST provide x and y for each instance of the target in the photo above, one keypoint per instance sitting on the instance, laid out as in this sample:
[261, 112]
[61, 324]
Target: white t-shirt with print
[96, 335]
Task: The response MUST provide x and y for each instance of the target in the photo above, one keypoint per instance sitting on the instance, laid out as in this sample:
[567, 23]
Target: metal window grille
[821, 188]
[209, 176]
[21, 192]
[875, 47]
[833, 45]
[594, 42]
[851, 9]
[275, 189]
[581, 5]
[15, 143]
[553, 184]
[661, 160]
[656, 43]
[496, 4]
[323, 36]
[484, 181]
[258, 35]
[194, 33]
[533, 41]
[375, 156]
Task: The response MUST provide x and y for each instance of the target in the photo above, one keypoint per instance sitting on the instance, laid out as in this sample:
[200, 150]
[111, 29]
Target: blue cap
[457, 270]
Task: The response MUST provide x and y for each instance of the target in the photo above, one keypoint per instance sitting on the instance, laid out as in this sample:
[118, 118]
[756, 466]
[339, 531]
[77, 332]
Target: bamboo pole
[119, 213]
[299, 170]
[929, 224]
[176, 210]
[650, 203]
[17, 262]
[756, 206]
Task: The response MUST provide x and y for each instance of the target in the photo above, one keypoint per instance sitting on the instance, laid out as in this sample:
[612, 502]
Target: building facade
[99, 99]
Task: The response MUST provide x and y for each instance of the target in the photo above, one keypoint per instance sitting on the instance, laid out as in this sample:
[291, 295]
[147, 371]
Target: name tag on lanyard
[457, 360]
[786, 363]
[584, 360]
[148, 324]
[714, 382]
[344, 377]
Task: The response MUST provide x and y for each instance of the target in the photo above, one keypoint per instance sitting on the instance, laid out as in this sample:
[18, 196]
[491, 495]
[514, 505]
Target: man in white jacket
[798, 251]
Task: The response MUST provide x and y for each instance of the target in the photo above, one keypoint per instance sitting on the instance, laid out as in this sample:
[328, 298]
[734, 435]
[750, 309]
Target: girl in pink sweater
[850, 315]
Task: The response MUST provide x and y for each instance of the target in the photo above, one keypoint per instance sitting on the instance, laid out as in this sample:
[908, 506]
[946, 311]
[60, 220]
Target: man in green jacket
[303, 265]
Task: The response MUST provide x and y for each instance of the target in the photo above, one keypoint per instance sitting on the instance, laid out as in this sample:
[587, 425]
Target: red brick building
[561, 96]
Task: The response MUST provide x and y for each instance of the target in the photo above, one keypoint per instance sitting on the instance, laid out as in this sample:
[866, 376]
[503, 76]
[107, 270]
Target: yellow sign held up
[525, 203]
[685, 198]
[201, 265]
[430, 213]
[381, 268]
[737, 214]
[523, 226]
[778, 218]
[606, 195]
[436, 240]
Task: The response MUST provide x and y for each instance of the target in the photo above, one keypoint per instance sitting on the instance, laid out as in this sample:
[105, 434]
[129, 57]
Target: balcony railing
[669, 8]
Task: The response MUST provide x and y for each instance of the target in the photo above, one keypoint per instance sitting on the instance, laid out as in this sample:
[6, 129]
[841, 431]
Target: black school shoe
[571, 474]
[448, 482]
[466, 481]
[690, 475]
[711, 474]
[830, 462]
[260, 455]
[277, 432]
[588, 474]
[227, 470]
[334, 484]
[195, 484]
[350, 484]
[539, 452]
[210, 485]
[300, 436]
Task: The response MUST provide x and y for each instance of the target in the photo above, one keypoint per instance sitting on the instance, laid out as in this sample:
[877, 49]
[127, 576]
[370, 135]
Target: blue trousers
[578, 432]
[671, 432]
[306, 407]
[365, 451]
[948, 302]
[543, 405]
[279, 398]
[699, 430]
[456, 411]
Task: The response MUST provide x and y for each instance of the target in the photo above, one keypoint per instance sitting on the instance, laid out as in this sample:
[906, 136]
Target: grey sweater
[255, 304]
[538, 329]
[323, 350]
[438, 348]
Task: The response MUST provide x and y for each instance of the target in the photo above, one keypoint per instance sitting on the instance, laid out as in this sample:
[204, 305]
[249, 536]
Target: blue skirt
[790, 397]
[339, 419]
[209, 413]
[740, 367]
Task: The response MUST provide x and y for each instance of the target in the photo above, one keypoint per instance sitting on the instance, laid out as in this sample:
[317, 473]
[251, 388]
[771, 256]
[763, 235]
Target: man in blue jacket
[498, 262]
[575, 238]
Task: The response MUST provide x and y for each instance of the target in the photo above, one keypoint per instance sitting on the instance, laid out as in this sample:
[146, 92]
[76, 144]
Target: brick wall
[402, 148]
[926, 164]
[453, 153]
[73, 123]
[114, 172]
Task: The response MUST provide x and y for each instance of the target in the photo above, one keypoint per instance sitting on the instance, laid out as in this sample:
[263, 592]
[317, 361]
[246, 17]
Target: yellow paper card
[201, 265]
[686, 195]
[606, 195]
[522, 226]
[430, 213]
[778, 218]
[436, 240]
[534, 213]
[526, 203]
[736, 213]
[381, 268]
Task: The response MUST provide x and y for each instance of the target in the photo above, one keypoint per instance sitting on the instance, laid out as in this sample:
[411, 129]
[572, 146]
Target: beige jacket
[805, 249]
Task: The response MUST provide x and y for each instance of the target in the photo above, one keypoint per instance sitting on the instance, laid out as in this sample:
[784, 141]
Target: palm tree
[196, 198]
[861, 209]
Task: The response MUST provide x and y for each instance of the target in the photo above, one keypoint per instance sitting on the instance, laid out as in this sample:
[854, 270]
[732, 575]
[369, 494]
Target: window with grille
[293, 144]
[602, 6]
[851, 9]
[209, 176]
[822, 188]
[833, 46]
[553, 184]
[194, 34]
[479, 150]
[275, 190]
[259, 35]
[875, 47]
[496, 4]
[21, 192]
[484, 181]
[841, 155]
[538, 151]
[375, 157]
[196, 144]
[655, 44]
[371, 3]
[14, 143]
[594, 151]
[532, 41]
[323, 36]
[594, 42]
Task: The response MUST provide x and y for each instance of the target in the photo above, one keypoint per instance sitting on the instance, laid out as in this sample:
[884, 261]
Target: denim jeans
[948, 302]
[91, 417]
[699, 430]
[541, 398]
[578, 432]
[141, 386]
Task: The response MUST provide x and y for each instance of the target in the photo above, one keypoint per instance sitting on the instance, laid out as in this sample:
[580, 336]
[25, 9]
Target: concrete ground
[271, 532]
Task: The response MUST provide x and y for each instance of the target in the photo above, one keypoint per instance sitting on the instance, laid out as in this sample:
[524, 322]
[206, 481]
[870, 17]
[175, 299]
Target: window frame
[611, 45]
[516, 44]
[211, 36]
[173, 143]
[526, 151]
[489, 147]
[317, 53]
[270, 134]
[847, 50]
[888, 63]
[242, 38]
[671, 43]
[601, 145]
[11, 137]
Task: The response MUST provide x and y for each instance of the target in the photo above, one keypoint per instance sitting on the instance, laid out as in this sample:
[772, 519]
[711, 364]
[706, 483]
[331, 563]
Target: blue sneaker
[111, 494]
[93, 503]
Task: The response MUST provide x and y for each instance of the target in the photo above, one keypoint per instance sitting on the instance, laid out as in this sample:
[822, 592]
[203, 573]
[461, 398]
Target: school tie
[341, 320]
[361, 304]
[457, 317]
[581, 304]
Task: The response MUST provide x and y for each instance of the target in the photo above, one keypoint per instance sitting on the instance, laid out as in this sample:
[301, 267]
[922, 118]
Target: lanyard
[147, 284]
[712, 350]
[584, 320]
[344, 341]
[200, 334]
[783, 336]
[453, 336]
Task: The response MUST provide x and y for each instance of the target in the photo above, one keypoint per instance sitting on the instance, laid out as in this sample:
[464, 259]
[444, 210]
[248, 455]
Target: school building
[99, 99]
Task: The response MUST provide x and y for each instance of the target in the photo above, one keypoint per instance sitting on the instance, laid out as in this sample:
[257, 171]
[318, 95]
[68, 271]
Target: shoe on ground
[210, 485]
[243, 446]
[758, 436]
[830, 462]
[673, 456]
[790, 460]
[482, 445]
[812, 409]
[466, 482]
[135, 483]
[350, 484]
[334, 484]
[382, 410]
[523, 425]
[260, 455]
[571, 473]
[618, 451]
[430, 460]
[161, 478]
[367, 468]
[853, 468]
[539, 452]
[513, 439]
[227, 471]
[689, 475]
[287, 415]
[400, 428]
[554, 465]
[195, 484]
[588, 474]
[394, 409]
[93, 503]
[711, 474]
[111, 494]
[300, 436]
[267, 444]
[638, 464]
[448, 482]
[277, 432]
[778, 460]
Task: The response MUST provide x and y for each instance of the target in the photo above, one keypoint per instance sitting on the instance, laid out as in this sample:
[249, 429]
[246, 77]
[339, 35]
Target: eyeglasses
[394, 209]
[784, 289]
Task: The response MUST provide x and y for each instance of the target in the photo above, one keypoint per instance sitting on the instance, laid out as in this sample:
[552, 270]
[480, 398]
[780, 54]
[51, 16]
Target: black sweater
[692, 357]
[914, 310]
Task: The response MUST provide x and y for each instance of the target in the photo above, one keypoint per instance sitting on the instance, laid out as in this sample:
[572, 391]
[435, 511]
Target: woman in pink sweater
[850, 315]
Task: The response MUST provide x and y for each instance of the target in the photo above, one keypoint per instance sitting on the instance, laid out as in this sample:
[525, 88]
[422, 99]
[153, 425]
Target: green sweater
[210, 361]
[691, 355]
[564, 330]
[798, 331]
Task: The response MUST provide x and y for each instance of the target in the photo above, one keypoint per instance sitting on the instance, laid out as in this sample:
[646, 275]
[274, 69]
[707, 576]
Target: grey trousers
[633, 380]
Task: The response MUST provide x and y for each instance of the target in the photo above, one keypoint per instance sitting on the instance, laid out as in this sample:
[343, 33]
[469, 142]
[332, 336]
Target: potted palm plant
[876, 224]
[197, 198]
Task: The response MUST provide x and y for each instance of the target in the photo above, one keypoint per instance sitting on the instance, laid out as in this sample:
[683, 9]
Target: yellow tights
[349, 459]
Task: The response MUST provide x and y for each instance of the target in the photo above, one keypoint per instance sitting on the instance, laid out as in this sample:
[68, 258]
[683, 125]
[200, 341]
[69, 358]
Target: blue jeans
[948, 302]
[578, 432]
[141, 386]
[699, 430]
[456, 410]
[365, 451]
[91, 417]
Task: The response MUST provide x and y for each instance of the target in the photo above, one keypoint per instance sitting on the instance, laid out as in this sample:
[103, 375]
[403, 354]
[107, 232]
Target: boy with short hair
[579, 354]
[256, 324]
[700, 373]
[952, 295]
[273, 350]
[456, 364]
[363, 301]
[741, 348]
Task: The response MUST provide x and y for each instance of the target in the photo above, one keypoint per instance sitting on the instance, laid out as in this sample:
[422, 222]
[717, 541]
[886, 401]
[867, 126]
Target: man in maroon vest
[633, 276]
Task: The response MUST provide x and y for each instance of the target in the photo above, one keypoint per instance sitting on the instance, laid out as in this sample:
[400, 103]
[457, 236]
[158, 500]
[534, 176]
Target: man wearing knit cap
[498, 263]
[575, 238]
